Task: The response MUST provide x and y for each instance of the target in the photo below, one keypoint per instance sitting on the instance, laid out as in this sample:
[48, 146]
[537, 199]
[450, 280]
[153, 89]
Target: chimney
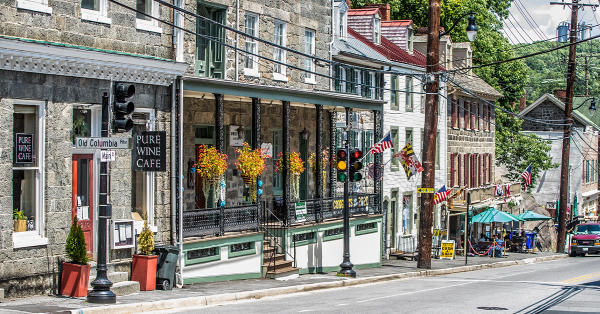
[523, 103]
[384, 9]
[560, 94]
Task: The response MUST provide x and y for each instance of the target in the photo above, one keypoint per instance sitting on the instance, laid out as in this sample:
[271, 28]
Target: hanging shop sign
[447, 251]
[23, 148]
[301, 211]
[149, 151]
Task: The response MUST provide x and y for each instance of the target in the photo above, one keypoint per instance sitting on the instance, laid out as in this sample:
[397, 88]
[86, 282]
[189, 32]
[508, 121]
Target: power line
[537, 28]
[521, 27]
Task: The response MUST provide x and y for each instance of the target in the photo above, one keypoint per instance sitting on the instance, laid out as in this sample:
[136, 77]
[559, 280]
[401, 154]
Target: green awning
[493, 215]
[532, 216]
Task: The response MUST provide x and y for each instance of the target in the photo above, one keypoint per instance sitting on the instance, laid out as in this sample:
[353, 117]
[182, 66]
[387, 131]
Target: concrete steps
[120, 279]
[276, 266]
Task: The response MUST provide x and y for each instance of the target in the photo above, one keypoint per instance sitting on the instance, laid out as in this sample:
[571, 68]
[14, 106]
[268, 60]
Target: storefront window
[28, 186]
[143, 181]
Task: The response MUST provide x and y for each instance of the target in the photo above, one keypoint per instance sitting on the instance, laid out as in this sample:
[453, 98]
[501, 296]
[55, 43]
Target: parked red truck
[585, 239]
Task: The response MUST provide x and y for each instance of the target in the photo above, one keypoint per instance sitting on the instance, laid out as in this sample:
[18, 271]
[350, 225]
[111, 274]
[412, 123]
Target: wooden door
[83, 196]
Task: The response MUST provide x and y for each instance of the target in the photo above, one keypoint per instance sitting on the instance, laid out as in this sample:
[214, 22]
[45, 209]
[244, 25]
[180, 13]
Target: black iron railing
[217, 221]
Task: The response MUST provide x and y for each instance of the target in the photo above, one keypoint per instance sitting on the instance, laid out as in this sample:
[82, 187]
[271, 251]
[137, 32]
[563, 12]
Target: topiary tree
[146, 240]
[76, 248]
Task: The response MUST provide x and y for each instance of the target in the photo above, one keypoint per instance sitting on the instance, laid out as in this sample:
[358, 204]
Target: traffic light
[342, 165]
[122, 108]
[355, 165]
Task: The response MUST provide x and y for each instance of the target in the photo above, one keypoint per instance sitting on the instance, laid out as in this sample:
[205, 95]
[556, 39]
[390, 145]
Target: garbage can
[530, 236]
[165, 268]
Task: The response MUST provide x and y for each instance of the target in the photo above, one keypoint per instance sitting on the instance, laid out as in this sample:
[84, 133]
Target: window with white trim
[309, 63]
[28, 172]
[95, 11]
[377, 29]
[409, 94]
[145, 22]
[143, 186]
[34, 5]
[279, 34]
[251, 46]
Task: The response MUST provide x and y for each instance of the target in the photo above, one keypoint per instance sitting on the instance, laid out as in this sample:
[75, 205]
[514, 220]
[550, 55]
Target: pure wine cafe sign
[23, 148]
[149, 151]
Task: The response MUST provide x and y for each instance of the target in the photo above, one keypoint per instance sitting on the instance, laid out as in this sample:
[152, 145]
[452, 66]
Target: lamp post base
[103, 297]
[346, 270]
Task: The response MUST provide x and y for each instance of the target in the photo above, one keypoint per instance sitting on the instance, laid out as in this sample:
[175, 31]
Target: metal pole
[319, 165]
[101, 285]
[467, 227]
[430, 133]
[346, 266]
[564, 169]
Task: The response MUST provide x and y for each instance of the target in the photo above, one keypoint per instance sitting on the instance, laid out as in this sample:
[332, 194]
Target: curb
[258, 294]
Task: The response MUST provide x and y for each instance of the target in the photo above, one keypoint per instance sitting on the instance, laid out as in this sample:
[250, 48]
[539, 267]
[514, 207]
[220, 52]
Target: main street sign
[102, 142]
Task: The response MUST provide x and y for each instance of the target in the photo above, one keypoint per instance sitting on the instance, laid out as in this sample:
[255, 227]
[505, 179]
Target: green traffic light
[341, 177]
[357, 177]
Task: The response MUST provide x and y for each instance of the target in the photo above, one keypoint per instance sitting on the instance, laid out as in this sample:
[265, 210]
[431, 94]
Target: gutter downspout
[177, 33]
[331, 48]
[180, 178]
[237, 25]
[173, 170]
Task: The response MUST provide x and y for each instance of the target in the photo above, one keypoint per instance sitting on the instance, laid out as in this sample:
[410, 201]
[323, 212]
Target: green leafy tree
[76, 249]
[512, 149]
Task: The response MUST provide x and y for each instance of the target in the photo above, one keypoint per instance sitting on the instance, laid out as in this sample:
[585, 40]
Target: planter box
[75, 279]
[143, 270]
[20, 225]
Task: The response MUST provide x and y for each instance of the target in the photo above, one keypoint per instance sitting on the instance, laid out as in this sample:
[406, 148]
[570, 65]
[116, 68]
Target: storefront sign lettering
[301, 211]
[149, 151]
[447, 251]
[23, 148]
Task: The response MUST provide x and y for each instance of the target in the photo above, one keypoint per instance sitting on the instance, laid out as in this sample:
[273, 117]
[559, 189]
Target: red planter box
[75, 279]
[143, 270]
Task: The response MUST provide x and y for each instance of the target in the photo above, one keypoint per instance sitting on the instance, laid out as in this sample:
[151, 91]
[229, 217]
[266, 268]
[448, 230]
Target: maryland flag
[409, 161]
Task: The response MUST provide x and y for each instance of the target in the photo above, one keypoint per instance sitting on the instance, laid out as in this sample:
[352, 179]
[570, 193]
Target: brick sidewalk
[38, 304]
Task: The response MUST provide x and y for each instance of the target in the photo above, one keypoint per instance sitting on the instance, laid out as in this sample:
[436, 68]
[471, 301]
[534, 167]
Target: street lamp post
[430, 127]
[346, 266]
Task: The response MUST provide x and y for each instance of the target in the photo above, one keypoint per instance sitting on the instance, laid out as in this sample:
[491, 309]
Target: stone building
[583, 156]
[57, 59]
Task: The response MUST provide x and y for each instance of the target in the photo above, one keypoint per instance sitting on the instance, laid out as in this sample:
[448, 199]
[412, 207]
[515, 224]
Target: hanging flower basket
[251, 164]
[211, 167]
[296, 167]
[312, 162]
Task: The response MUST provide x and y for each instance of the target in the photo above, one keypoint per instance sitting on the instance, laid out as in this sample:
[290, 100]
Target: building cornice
[25, 55]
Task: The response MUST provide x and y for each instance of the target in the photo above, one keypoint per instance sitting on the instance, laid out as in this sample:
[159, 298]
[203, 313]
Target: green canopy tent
[493, 215]
[532, 216]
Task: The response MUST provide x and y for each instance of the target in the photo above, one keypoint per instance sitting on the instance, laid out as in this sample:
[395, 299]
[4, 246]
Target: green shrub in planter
[76, 248]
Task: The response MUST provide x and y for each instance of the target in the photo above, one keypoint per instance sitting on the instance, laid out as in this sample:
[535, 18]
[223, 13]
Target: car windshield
[587, 229]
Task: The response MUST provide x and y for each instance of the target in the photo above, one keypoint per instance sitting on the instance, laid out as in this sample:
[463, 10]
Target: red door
[83, 196]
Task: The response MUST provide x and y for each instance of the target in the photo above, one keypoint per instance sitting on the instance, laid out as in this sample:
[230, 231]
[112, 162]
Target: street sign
[447, 251]
[107, 155]
[102, 142]
[425, 190]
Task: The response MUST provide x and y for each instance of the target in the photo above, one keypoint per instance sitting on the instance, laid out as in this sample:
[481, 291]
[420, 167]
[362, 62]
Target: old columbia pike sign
[102, 143]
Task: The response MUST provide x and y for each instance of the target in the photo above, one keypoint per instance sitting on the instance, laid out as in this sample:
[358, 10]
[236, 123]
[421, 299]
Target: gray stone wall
[34, 270]
[311, 14]
[546, 111]
[64, 25]
[201, 112]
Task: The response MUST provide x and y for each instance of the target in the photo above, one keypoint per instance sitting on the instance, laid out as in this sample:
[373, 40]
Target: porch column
[256, 143]
[377, 171]
[285, 133]
[332, 147]
[319, 161]
[219, 127]
[220, 146]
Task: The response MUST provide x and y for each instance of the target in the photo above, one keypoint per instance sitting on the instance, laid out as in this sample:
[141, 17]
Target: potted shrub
[143, 268]
[75, 274]
[19, 221]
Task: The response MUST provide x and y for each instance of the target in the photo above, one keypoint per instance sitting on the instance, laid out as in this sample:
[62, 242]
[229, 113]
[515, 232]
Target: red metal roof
[403, 23]
[369, 11]
[391, 51]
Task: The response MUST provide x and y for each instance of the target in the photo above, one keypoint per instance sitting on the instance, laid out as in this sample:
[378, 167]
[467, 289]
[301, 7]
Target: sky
[546, 17]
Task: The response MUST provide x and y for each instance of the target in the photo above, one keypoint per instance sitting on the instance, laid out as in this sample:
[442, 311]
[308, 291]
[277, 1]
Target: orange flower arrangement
[296, 164]
[250, 162]
[211, 163]
[312, 160]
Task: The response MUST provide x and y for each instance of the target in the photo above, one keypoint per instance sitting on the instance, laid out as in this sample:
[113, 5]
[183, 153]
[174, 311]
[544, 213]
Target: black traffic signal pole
[346, 266]
[101, 285]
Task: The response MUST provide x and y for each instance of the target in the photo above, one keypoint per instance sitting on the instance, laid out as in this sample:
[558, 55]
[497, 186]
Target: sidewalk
[220, 292]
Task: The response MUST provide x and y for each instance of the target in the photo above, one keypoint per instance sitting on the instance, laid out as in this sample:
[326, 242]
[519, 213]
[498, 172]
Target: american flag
[383, 144]
[441, 195]
[506, 188]
[527, 176]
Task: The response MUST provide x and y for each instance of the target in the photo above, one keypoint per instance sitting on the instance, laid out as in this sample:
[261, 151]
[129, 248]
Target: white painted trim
[33, 5]
[147, 26]
[28, 239]
[280, 77]
[95, 16]
[313, 80]
[19, 55]
[251, 72]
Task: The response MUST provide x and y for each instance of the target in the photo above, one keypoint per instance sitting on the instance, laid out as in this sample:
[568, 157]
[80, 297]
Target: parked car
[585, 239]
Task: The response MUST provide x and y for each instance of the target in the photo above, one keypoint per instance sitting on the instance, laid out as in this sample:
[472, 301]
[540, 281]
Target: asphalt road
[563, 286]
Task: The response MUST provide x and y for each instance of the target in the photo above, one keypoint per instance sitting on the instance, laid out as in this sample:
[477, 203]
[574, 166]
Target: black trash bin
[165, 268]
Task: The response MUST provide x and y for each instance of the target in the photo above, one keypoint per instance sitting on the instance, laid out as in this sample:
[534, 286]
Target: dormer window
[341, 22]
[377, 29]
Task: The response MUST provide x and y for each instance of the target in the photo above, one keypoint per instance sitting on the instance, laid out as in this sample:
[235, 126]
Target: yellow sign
[447, 251]
[425, 190]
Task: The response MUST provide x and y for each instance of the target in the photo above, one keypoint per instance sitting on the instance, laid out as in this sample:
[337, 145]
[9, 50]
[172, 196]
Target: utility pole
[430, 133]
